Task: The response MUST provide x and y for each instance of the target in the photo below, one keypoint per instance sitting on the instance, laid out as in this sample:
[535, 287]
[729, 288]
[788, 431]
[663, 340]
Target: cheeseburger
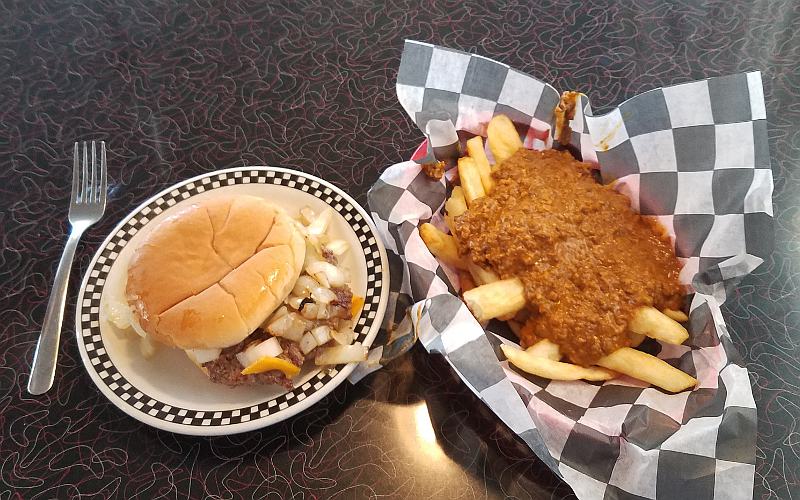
[245, 290]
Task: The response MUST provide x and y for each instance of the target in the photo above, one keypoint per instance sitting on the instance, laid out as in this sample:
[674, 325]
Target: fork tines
[85, 185]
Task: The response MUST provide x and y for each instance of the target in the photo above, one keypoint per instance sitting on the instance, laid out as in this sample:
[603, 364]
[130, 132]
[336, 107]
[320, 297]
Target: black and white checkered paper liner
[90, 337]
[692, 155]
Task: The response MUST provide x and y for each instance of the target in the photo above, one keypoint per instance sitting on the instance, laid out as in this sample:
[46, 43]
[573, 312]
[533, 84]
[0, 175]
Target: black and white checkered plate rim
[196, 421]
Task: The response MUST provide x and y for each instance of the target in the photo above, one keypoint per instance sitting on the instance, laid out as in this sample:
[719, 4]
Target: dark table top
[179, 88]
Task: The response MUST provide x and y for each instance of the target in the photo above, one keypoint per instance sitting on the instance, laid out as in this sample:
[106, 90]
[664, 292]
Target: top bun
[208, 276]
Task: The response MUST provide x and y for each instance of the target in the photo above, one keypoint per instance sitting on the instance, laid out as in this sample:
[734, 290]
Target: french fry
[456, 205]
[442, 246]
[476, 152]
[470, 180]
[495, 299]
[650, 369]
[466, 281]
[545, 349]
[678, 316]
[483, 276]
[480, 275]
[554, 370]
[636, 338]
[655, 324]
[504, 140]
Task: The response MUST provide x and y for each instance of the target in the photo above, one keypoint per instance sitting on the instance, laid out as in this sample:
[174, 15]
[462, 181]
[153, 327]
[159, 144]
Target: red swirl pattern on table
[180, 88]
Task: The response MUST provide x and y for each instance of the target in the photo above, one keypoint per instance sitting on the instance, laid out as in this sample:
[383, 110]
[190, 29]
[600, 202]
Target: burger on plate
[248, 292]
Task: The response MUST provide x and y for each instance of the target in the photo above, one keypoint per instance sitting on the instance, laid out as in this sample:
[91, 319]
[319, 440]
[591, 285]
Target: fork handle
[44, 360]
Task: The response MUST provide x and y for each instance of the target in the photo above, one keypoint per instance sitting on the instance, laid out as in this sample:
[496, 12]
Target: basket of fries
[571, 267]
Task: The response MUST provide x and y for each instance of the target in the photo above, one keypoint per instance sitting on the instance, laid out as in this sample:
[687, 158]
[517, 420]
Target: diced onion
[310, 310]
[323, 312]
[294, 302]
[137, 327]
[269, 348]
[201, 356]
[312, 254]
[308, 343]
[322, 334]
[281, 311]
[337, 247]
[303, 286]
[343, 336]
[243, 359]
[119, 314]
[122, 317]
[327, 274]
[290, 327]
[322, 295]
[314, 311]
[341, 354]
[319, 225]
[307, 215]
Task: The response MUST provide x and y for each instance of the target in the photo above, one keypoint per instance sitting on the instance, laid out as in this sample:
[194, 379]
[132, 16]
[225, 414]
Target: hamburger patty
[342, 305]
[227, 370]
[329, 257]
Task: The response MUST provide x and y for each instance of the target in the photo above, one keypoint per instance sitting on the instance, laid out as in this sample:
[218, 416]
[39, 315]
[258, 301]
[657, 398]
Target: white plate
[167, 391]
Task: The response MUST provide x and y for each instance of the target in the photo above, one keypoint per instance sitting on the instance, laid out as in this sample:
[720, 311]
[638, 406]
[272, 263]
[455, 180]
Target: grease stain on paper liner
[606, 140]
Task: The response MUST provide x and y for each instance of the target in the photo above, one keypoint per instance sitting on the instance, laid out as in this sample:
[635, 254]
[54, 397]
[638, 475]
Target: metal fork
[86, 207]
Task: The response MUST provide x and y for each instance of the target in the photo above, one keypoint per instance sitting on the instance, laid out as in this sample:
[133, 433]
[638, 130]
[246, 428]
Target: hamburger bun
[208, 276]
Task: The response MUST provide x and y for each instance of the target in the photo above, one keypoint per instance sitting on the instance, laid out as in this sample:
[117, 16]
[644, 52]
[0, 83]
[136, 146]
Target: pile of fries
[489, 297]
